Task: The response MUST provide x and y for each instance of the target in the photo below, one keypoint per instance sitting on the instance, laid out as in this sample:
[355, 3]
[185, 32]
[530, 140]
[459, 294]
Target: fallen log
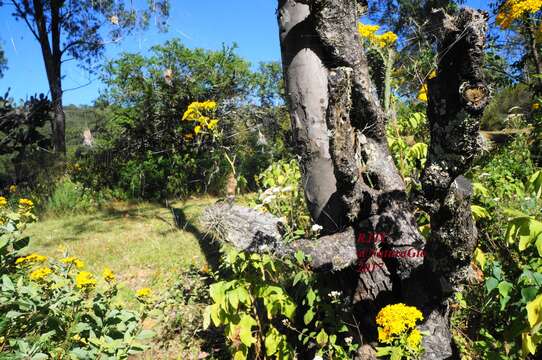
[250, 230]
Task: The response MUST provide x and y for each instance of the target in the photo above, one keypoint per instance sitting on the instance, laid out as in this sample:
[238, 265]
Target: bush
[507, 263]
[281, 194]
[272, 309]
[69, 197]
[52, 308]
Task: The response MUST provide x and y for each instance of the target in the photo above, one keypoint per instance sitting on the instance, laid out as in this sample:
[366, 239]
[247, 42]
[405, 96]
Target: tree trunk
[349, 176]
[533, 46]
[52, 58]
[59, 119]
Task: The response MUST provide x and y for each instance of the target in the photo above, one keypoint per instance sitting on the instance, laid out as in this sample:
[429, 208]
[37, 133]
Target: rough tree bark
[351, 182]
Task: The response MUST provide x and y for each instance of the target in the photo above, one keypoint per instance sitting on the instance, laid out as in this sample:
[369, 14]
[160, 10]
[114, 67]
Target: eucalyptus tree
[79, 30]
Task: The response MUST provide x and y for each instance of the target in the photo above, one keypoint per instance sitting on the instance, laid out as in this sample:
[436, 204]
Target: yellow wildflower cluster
[422, 94]
[143, 293]
[201, 113]
[13, 188]
[3, 201]
[85, 280]
[40, 273]
[514, 9]
[414, 340]
[25, 204]
[381, 40]
[30, 259]
[108, 275]
[394, 320]
[72, 260]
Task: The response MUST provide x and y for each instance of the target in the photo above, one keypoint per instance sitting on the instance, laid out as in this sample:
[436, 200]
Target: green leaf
[21, 243]
[239, 355]
[7, 284]
[299, 257]
[383, 351]
[4, 241]
[309, 315]
[145, 335]
[479, 212]
[321, 338]
[311, 296]
[207, 316]
[505, 287]
[527, 344]
[491, 283]
[480, 258]
[272, 340]
[534, 311]
[245, 330]
[215, 314]
[233, 297]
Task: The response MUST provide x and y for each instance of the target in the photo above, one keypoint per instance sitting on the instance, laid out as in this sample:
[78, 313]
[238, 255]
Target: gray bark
[350, 177]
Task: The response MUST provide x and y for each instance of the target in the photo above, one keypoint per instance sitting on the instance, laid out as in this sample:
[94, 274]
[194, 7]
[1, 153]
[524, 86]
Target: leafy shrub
[69, 197]
[272, 309]
[282, 195]
[180, 309]
[507, 324]
[407, 141]
[52, 308]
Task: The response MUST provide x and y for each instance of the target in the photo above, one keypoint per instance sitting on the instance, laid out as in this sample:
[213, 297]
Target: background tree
[3, 62]
[74, 29]
[21, 133]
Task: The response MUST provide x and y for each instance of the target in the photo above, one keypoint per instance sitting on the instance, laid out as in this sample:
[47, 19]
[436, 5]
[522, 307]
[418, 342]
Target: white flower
[335, 294]
[318, 357]
[316, 228]
[285, 322]
[114, 20]
[348, 340]
[268, 199]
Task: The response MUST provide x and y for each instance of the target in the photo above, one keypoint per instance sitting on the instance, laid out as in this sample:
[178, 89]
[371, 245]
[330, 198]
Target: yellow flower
[422, 94]
[32, 258]
[368, 32]
[108, 275]
[196, 109]
[78, 263]
[197, 129]
[85, 280]
[12, 188]
[3, 201]
[40, 273]
[212, 124]
[514, 9]
[26, 203]
[414, 340]
[143, 293]
[393, 320]
[535, 106]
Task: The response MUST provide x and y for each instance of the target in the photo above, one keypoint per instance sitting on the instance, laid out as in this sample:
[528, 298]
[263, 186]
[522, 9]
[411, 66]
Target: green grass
[138, 241]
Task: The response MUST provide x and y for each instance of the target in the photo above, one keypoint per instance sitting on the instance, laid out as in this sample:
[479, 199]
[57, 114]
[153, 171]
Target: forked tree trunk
[336, 114]
[352, 184]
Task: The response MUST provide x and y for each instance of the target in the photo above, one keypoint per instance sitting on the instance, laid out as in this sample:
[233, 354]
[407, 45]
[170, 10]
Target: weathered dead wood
[351, 183]
[250, 230]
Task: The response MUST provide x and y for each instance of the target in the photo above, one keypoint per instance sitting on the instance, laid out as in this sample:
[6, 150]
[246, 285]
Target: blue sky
[198, 23]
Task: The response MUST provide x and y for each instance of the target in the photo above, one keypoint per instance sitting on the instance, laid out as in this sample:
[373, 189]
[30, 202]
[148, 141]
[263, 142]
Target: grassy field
[143, 246]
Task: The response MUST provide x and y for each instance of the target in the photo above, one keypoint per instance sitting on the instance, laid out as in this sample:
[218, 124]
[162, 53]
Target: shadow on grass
[210, 248]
